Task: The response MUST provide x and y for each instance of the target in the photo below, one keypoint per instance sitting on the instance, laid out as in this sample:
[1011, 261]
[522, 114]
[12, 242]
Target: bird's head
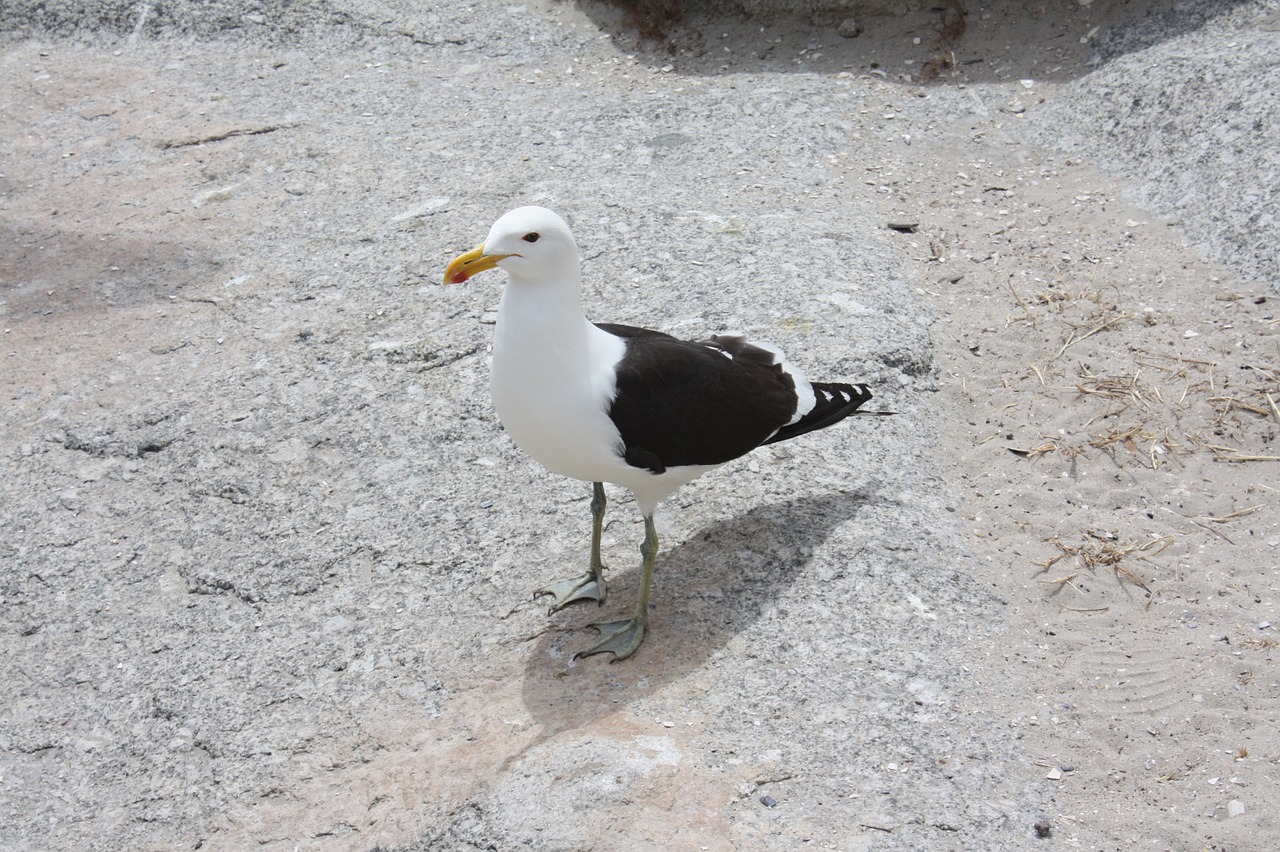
[529, 243]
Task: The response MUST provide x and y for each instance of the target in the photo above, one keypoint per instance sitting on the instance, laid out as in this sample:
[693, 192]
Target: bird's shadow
[706, 591]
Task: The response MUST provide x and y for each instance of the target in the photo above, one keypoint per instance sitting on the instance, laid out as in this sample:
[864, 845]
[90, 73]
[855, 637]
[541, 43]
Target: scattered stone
[849, 28]
[301, 531]
[427, 208]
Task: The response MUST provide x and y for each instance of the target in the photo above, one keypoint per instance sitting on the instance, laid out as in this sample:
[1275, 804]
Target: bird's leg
[624, 637]
[588, 586]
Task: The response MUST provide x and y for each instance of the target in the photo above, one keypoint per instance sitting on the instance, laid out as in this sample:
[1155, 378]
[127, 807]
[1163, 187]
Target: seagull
[612, 403]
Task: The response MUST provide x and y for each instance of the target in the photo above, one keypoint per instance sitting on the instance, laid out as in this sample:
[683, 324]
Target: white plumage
[553, 377]
[608, 403]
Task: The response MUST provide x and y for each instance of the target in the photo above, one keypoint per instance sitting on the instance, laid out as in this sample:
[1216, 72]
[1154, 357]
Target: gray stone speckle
[1190, 136]
[267, 553]
[849, 28]
[283, 529]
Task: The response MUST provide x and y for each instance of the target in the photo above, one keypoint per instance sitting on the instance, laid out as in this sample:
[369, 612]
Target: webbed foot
[620, 637]
[585, 587]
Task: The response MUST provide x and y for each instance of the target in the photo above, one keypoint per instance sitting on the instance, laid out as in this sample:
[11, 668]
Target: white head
[529, 243]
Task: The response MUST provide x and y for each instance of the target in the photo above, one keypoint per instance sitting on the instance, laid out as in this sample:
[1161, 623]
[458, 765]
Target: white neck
[541, 321]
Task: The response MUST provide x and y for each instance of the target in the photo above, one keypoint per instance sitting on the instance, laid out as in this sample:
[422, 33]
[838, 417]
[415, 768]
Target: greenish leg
[624, 637]
[588, 586]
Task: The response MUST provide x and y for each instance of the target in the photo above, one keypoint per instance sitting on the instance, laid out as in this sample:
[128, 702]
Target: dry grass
[1126, 389]
[950, 28]
[1221, 452]
[1178, 401]
[651, 20]
[1078, 336]
[1231, 516]
[1106, 550]
[1149, 444]
[1051, 445]
[1059, 301]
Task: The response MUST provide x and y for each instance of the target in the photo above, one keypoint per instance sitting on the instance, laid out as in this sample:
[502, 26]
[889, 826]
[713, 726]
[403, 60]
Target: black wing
[684, 402]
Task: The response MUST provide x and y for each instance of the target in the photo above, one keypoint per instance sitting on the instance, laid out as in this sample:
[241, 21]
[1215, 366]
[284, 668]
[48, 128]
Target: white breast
[552, 383]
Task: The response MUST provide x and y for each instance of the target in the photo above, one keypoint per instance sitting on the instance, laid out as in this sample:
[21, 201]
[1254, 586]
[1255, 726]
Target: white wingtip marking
[805, 399]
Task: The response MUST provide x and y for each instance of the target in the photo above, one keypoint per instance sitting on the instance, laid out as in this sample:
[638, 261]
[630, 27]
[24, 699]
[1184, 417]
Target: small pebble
[1235, 808]
[1263, 625]
[768, 801]
[849, 28]
[485, 504]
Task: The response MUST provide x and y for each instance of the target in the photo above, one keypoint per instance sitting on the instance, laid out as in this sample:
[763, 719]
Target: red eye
[531, 237]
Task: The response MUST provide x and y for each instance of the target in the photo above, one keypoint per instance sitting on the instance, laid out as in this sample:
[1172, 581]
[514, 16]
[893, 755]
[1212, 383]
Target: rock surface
[267, 554]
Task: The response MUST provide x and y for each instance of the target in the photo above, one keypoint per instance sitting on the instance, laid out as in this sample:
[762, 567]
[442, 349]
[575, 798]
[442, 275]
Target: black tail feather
[835, 402]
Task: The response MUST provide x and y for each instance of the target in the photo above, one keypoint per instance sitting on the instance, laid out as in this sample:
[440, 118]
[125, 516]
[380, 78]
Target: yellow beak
[464, 266]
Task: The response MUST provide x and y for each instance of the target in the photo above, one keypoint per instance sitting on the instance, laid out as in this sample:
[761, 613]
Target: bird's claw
[587, 587]
[622, 638]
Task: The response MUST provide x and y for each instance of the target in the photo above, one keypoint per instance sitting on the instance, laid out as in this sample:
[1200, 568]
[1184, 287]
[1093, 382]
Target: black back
[682, 402]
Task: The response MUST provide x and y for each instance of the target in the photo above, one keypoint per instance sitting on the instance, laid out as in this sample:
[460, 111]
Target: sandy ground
[266, 552]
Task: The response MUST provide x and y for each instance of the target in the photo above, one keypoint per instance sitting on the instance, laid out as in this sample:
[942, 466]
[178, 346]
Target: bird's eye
[531, 237]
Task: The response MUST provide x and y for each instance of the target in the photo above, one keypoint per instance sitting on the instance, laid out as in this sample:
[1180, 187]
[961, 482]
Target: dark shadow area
[940, 42]
[47, 269]
[706, 591]
[935, 42]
